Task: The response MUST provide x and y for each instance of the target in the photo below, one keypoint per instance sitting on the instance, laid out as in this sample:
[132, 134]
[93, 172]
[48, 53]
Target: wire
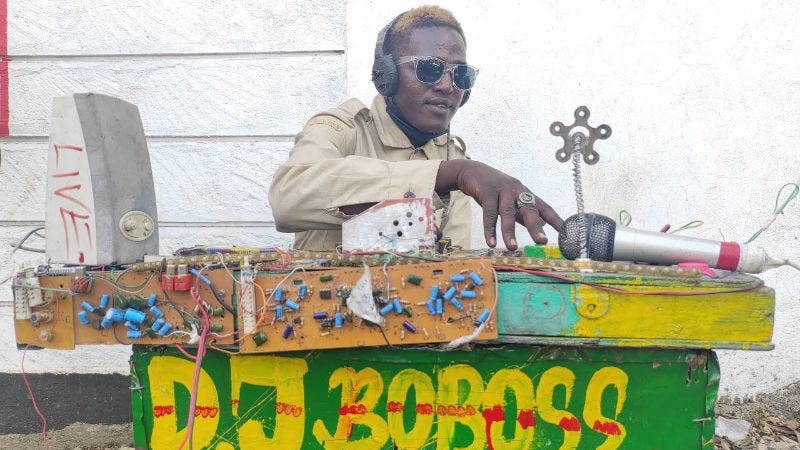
[33, 400]
[198, 362]
[778, 209]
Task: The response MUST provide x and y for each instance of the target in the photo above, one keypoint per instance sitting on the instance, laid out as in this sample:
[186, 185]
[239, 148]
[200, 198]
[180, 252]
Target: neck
[417, 137]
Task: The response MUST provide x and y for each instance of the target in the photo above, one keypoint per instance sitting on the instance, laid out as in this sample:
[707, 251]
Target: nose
[445, 84]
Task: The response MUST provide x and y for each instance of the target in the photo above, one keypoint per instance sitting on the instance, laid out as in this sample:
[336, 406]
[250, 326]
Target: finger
[490, 221]
[508, 219]
[549, 215]
[534, 223]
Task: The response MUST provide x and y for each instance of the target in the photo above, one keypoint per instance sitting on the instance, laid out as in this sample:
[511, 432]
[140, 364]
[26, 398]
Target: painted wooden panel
[217, 96]
[734, 312]
[197, 180]
[519, 397]
[44, 27]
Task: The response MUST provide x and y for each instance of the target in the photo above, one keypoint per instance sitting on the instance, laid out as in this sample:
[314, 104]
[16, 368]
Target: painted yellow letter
[607, 376]
[495, 410]
[425, 395]
[451, 400]
[551, 378]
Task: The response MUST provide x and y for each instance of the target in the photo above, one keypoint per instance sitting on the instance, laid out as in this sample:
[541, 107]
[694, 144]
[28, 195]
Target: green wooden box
[495, 396]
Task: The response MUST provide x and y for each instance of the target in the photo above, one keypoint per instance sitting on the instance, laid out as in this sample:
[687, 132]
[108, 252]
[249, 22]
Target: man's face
[430, 107]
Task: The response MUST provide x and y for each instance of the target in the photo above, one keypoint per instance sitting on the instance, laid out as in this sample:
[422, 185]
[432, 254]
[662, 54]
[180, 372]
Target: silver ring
[525, 198]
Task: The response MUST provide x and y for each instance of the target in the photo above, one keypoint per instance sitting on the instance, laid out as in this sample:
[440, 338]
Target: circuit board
[416, 303]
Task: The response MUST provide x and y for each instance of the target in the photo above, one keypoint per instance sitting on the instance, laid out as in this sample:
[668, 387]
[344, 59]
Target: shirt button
[409, 194]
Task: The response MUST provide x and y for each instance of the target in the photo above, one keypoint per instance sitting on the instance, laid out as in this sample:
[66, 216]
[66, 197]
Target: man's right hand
[497, 194]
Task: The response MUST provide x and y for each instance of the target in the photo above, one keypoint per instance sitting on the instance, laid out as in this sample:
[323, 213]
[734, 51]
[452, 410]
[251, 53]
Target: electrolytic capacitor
[450, 292]
[151, 300]
[156, 312]
[439, 306]
[387, 309]
[133, 334]
[302, 294]
[409, 326]
[457, 278]
[337, 320]
[83, 317]
[131, 326]
[287, 331]
[482, 318]
[457, 304]
[165, 329]
[278, 312]
[278, 294]
[434, 291]
[87, 306]
[467, 294]
[320, 315]
[476, 279]
[134, 315]
[157, 325]
[431, 307]
[104, 301]
[398, 308]
[292, 305]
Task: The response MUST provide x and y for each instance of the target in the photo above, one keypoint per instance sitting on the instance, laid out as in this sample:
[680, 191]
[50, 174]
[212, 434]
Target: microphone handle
[668, 249]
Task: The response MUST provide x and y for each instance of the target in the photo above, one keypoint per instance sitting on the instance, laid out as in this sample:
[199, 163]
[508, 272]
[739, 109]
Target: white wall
[702, 98]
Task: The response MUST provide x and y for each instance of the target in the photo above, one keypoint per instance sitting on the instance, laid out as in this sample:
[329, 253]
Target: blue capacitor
[476, 279]
[278, 312]
[131, 334]
[337, 320]
[87, 306]
[151, 300]
[83, 317]
[398, 308]
[116, 315]
[156, 312]
[320, 315]
[104, 301]
[131, 326]
[467, 294]
[431, 307]
[134, 315]
[165, 329]
[450, 292]
[292, 305]
[387, 309]
[457, 304]
[279, 294]
[157, 325]
[482, 318]
[287, 331]
[434, 291]
[302, 294]
[106, 322]
[457, 278]
[409, 326]
[439, 306]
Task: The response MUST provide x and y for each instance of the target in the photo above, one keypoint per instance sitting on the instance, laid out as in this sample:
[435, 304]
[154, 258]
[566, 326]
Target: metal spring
[577, 139]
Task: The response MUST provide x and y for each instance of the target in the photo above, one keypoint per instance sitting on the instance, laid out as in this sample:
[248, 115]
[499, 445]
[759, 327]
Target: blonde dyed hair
[420, 17]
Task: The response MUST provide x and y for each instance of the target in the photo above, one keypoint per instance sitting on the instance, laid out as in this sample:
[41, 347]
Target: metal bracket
[583, 143]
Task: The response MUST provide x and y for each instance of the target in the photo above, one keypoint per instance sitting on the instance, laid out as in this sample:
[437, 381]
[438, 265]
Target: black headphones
[384, 69]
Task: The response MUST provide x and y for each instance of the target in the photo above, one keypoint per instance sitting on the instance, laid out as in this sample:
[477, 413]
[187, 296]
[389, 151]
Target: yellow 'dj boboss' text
[460, 396]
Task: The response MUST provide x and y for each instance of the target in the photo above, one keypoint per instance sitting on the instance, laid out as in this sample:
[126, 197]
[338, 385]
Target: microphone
[606, 242]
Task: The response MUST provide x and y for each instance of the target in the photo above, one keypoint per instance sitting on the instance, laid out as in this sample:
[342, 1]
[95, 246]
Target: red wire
[198, 361]
[35, 406]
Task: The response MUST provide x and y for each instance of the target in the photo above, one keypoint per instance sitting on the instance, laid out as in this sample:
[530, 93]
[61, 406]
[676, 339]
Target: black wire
[219, 299]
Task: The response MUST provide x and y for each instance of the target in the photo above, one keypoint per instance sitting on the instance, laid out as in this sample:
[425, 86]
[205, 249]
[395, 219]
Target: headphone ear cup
[384, 75]
[465, 97]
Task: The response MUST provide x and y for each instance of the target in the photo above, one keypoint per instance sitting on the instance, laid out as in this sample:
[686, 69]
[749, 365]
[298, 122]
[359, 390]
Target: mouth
[440, 104]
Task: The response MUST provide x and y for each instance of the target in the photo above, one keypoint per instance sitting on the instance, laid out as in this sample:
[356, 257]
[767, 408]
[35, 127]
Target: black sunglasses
[430, 69]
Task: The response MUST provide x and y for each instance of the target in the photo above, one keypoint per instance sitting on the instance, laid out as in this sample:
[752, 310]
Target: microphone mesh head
[599, 237]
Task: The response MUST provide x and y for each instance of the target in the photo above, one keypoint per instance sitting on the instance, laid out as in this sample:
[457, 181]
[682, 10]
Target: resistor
[425, 332]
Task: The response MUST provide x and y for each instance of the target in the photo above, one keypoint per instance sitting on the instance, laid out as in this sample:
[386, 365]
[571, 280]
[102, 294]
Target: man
[348, 158]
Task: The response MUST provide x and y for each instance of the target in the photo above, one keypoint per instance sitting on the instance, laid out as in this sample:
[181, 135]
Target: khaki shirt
[350, 155]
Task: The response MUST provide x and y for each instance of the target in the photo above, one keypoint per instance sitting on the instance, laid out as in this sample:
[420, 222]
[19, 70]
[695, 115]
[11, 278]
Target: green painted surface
[641, 398]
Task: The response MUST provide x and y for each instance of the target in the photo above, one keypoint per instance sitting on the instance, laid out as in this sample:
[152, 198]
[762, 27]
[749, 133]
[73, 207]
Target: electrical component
[247, 299]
